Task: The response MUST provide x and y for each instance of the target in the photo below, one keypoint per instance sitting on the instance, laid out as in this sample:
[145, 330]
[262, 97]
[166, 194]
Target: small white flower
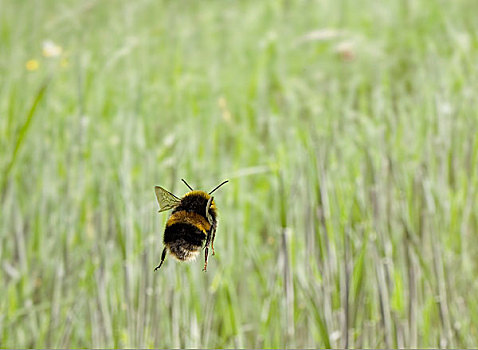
[50, 49]
[335, 335]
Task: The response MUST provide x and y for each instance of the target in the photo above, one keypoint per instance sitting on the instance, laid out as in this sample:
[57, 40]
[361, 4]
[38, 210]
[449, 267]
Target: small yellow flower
[50, 49]
[32, 65]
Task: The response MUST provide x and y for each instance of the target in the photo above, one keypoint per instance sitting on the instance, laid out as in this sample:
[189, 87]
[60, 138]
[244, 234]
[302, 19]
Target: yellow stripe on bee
[191, 218]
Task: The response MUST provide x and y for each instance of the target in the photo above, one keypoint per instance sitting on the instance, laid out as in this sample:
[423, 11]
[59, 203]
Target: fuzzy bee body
[191, 225]
[187, 228]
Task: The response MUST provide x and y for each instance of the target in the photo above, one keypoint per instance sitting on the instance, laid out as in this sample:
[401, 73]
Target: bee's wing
[166, 199]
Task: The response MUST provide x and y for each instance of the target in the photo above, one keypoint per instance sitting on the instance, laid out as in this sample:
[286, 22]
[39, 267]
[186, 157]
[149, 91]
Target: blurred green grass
[348, 131]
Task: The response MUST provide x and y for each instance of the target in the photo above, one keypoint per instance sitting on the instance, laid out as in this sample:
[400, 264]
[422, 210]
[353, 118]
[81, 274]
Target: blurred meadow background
[348, 131]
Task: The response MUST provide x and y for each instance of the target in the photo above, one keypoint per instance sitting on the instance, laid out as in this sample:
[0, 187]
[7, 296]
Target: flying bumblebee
[192, 222]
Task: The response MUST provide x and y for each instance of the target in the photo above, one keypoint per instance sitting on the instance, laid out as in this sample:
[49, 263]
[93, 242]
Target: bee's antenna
[222, 183]
[187, 184]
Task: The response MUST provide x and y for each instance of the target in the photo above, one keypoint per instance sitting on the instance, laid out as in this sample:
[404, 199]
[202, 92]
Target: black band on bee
[182, 238]
[187, 232]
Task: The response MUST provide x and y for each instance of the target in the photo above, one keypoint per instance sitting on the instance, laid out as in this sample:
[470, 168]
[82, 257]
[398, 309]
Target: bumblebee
[192, 223]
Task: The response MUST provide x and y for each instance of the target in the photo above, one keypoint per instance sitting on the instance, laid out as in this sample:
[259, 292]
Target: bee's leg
[163, 255]
[206, 249]
[206, 252]
[213, 228]
[212, 241]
